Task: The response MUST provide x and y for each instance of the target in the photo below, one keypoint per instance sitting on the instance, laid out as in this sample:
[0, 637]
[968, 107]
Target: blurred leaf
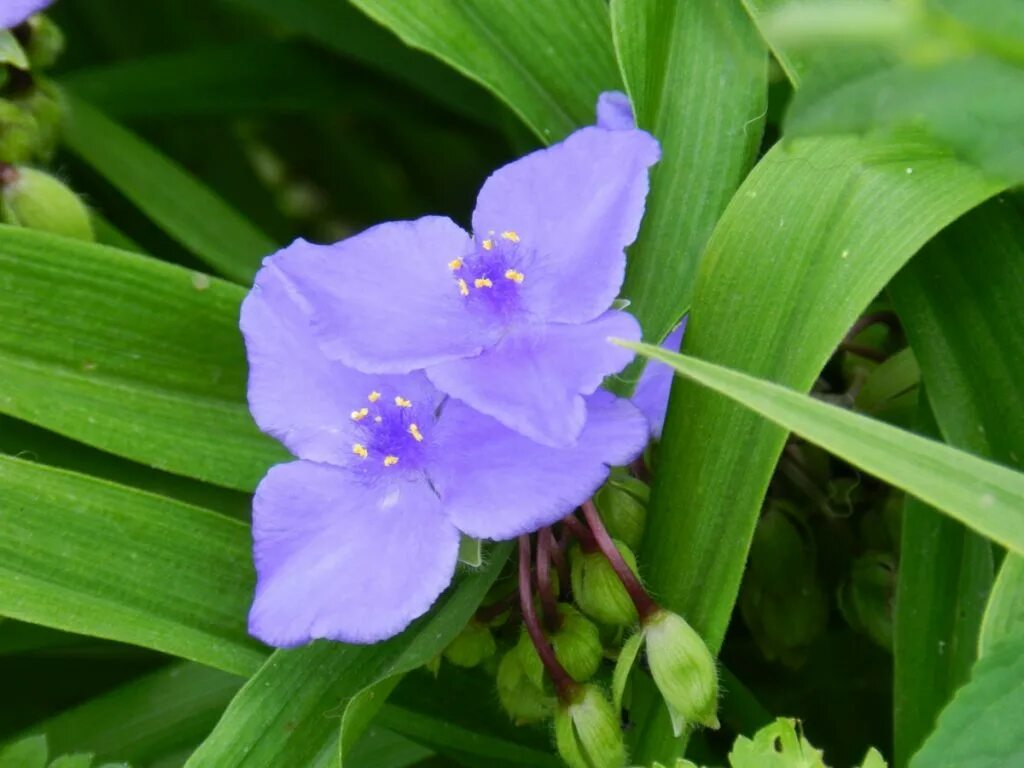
[983, 495]
[139, 358]
[288, 713]
[242, 78]
[1004, 615]
[174, 199]
[72, 761]
[810, 238]
[27, 753]
[982, 727]
[91, 557]
[697, 74]
[547, 61]
[11, 51]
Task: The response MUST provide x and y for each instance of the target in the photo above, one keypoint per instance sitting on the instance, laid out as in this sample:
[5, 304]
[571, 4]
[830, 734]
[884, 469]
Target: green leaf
[1004, 615]
[985, 496]
[72, 761]
[175, 200]
[379, 748]
[624, 665]
[11, 51]
[287, 714]
[27, 753]
[697, 74]
[91, 557]
[139, 358]
[778, 745]
[982, 727]
[810, 238]
[547, 61]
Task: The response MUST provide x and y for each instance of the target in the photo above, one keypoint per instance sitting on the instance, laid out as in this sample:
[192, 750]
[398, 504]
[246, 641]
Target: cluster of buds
[582, 625]
[31, 111]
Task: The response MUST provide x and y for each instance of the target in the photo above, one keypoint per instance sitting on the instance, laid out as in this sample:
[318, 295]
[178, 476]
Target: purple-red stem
[548, 599]
[565, 686]
[581, 533]
[645, 606]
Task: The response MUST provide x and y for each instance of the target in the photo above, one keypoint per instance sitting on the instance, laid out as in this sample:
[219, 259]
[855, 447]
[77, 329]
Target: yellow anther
[487, 244]
[390, 461]
[360, 451]
[510, 236]
[514, 276]
[483, 282]
[360, 414]
[401, 402]
[463, 288]
[455, 264]
[374, 396]
[415, 432]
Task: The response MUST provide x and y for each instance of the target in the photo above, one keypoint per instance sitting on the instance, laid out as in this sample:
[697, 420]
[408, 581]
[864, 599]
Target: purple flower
[360, 535]
[652, 390]
[614, 112]
[14, 12]
[513, 320]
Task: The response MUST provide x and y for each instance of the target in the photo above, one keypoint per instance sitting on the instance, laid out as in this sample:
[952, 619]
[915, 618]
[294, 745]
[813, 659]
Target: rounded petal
[655, 383]
[575, 207]
[342, 560]
[13, 12]
[533, 380]
[296, 394]
[494, 483]
[385, 300]
[614, 112]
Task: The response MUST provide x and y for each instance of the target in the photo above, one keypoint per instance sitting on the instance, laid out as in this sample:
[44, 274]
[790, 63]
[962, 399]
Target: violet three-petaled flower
[14, 12]
[513, 320]
[360, 535]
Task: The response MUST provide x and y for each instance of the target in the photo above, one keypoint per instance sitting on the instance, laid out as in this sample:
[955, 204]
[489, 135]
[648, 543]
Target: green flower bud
[588, 733]
[623, 514]
[37, 200]
[577, 644]
[45, 42]
[46, 105]
[866, 597]
[19, 133]
[521, 697]
[597, 588]
[471, 647]
[683, 669]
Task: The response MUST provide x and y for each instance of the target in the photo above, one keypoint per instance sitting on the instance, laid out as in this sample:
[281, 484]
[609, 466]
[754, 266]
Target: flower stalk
[548, 598]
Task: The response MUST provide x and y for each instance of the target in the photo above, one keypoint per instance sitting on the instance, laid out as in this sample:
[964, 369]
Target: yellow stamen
[455, 264]
[374, 396]
[360, 414]
[463, 288]
[510, 236]
[514, 276]
[401, 402]
[360, 451]
[482, 282]
[487, 244]
[390, 461]
[415, 432]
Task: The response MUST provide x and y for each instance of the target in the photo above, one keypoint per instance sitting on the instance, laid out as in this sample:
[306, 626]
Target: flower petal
[496, 484]
[575, 207]
[533, 379]
[296, 394]
[13, 12]
[385, 300]
[342, 560]
[614, 112]
[652, 390]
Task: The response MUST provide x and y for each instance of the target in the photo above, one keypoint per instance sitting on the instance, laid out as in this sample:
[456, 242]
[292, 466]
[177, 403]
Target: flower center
[391, 431]
[491, 275]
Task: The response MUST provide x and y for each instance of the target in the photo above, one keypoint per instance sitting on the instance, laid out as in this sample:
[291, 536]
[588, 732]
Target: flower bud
[19, 133]
[588, 733]
[866, 598]
[521, 697]
[37, 200]
[683, 669]
[45, 103]
[45, 42]
[623, 513]
[577, 645]
[597, 588]
[471, 647]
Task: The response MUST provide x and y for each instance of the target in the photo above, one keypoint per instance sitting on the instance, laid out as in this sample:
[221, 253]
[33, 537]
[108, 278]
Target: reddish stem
[645, 606]
[565, 686]
[581, 533]
[548, 599]
[556, 548]
[488, 613]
